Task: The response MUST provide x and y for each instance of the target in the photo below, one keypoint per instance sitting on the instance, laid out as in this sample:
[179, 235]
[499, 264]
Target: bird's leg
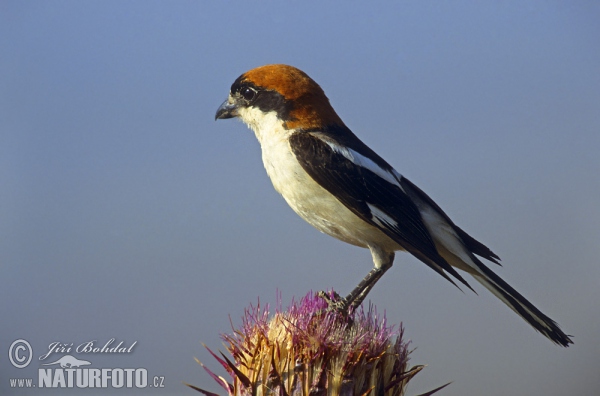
[383, 261]
[360, 298]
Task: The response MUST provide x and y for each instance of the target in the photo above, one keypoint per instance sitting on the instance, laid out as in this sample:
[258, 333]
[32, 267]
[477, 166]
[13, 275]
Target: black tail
[521, 306]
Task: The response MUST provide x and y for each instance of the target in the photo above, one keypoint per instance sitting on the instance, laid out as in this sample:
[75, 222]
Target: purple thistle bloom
[311, 350]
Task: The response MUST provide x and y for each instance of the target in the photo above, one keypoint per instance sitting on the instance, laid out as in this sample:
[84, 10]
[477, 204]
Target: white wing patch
[358, 159]
[381, 218]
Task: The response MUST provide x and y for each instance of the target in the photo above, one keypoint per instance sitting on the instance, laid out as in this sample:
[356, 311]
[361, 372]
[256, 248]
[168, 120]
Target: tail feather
[458, 249]
[521, 306]
[476, 247]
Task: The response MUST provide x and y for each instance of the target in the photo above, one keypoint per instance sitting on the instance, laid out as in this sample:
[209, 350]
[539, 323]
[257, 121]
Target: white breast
[307, 198]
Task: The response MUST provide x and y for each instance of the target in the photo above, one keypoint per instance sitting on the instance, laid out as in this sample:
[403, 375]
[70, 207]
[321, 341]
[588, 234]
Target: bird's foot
[335, 302]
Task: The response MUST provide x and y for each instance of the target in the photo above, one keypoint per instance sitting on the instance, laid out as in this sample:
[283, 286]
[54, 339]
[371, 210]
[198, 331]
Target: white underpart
[306, 197]
[323, 211]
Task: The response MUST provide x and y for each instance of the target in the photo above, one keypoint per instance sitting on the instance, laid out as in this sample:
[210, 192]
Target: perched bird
[343, 188]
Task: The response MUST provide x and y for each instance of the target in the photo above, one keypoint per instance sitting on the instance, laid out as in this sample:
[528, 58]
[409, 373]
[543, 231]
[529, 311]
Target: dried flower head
[310, 350]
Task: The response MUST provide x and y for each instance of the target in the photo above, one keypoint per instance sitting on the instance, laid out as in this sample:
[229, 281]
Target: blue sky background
[127, 212]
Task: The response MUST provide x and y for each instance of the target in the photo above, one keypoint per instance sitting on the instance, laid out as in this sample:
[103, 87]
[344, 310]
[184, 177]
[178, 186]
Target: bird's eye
[248, 93]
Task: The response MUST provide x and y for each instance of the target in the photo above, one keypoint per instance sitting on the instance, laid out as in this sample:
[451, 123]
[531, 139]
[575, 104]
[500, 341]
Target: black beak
[226, 110]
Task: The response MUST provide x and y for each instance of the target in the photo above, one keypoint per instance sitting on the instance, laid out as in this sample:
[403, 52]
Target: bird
[343, 188]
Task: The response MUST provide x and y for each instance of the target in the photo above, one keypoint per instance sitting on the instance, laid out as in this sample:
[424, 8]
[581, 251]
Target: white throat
[266, 126]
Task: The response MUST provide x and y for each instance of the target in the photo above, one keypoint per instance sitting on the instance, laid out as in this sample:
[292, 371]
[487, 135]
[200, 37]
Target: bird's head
[279, 93]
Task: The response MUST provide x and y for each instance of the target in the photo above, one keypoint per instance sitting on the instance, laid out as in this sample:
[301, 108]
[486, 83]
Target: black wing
[368, 182]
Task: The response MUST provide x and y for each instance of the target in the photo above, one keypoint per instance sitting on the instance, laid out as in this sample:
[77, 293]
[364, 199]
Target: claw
[334, 302]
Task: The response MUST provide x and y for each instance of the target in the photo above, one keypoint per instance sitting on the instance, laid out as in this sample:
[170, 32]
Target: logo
[74, 370]
[20, 353]
[69, 361]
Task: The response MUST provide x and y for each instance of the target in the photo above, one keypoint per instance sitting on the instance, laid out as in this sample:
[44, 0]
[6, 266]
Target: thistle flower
[309, 350]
